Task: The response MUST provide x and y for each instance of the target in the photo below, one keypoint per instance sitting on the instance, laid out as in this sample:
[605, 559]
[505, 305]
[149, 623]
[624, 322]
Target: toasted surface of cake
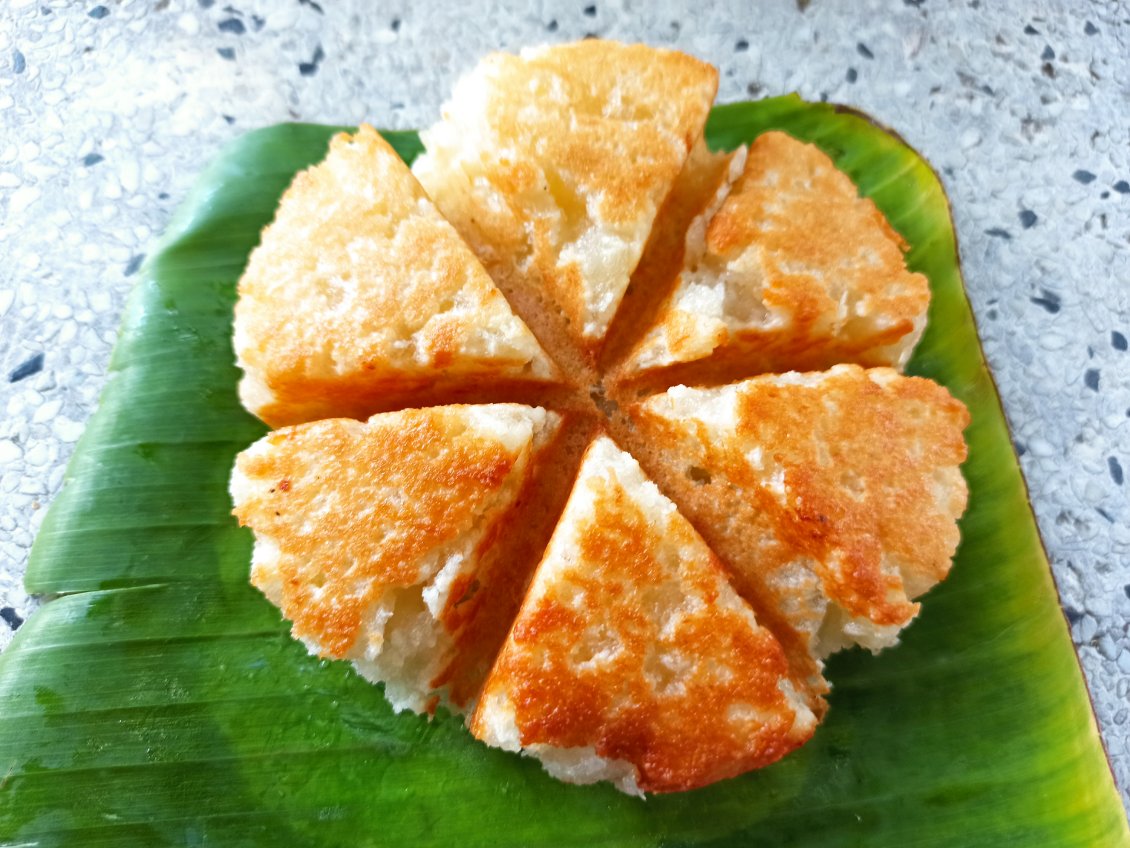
[375, 539]
[790, 270]
[553, 164]
[834, 496]
[360, 293]
[580, 249]
[632, 658]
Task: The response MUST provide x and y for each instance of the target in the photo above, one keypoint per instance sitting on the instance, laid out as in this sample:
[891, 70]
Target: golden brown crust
[850, 474]
[827, 501]
[513, 557]
[353, 510]
[795, 271]
[529, 164]
[359, 286]
[631, 642]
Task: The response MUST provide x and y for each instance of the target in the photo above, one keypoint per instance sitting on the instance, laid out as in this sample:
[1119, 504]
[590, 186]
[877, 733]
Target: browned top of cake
[658, 635]
[631, 642]
[791, 269]
[578, 105]
[553, 164]
[343, 510]
[360, 288]
[848, 473]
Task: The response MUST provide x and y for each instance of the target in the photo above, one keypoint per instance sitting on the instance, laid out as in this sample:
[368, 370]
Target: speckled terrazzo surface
[110, 111]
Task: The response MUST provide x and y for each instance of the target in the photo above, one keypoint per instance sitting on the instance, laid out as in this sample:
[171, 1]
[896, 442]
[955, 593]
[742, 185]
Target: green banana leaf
[161, 701]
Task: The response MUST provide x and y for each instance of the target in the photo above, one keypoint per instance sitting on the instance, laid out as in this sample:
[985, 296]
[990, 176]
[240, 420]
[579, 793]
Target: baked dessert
[630, 579]
[553, 165]
[633, 659]
[787, 268]
[361, 297]
[841, 488]
[378, 539]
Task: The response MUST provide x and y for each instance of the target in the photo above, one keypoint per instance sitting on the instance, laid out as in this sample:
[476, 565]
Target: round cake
[590, 434]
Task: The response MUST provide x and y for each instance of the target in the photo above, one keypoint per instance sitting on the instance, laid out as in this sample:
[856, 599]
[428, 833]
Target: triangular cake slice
[632, 659]
[833, 496]
[360, 296]
[553, 164]
[789, 269]
[375, 538]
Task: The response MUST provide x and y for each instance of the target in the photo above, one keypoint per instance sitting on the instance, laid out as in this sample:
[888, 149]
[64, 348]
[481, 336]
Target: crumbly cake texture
[633, 659]
[788, 268]
[554, 163]
[834, 495]
[376, 539]
[360, 292]
[642, 586]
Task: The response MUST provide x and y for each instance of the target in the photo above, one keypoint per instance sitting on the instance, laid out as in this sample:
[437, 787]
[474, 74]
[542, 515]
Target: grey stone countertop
[109, 112]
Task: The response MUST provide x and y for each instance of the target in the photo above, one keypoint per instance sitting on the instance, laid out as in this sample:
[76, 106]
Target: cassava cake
[833, 495]
[788, 268]
[360, 296]
[633, 659]
[553, 164]
[376, 539]
[630, 579]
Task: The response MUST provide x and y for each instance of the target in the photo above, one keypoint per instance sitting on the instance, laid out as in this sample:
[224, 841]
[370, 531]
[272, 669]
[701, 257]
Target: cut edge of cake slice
[701, 183]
